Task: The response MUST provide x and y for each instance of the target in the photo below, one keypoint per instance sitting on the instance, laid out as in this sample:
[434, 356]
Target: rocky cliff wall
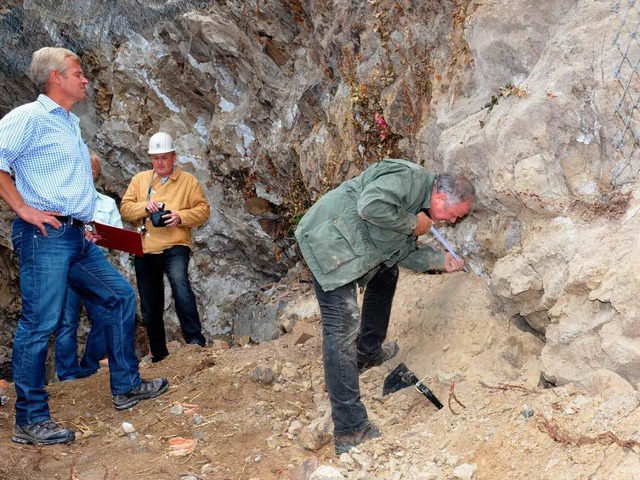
[273, 102]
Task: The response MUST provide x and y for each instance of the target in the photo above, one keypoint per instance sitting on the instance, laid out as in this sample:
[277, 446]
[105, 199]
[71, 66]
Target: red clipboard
[119, 238]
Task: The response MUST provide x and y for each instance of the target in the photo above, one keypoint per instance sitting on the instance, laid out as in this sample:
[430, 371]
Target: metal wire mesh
[79, 25]
[626, 41]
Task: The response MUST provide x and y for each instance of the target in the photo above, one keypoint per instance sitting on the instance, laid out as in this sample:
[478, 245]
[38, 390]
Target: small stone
[289, 323]
[294, 427]
[527, 411]
[289, 371]
[263, 375]
[276, 441]
[464, 471]
[362, 460]
[218, 344]
[316, 435]
[302, 332]
[128, 428]
[176, 409]
[325, 472]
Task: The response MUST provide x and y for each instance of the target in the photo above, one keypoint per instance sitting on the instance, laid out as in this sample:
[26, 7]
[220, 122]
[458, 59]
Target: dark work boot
[387, 352]
[146, 389]
[45, 432]
[343, 443]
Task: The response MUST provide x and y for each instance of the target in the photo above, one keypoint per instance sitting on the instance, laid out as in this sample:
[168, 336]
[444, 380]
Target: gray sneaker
[146, 389]
[45, 432]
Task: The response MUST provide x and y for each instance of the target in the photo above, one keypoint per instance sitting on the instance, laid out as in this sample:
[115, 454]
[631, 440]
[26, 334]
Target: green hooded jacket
[367, 221]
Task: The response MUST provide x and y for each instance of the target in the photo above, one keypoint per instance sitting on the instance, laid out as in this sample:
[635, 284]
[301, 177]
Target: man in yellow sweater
[165, 203]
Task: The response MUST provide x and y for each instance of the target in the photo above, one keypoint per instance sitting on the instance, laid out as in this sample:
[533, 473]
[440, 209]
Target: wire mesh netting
[626, 41]
[79, 25]
[87, 25]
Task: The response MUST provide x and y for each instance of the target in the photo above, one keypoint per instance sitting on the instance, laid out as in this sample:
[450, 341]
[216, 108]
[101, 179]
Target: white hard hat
[161, 143]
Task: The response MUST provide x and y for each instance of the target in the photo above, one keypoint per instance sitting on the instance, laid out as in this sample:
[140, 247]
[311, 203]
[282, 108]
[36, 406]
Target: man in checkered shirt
[53, 198]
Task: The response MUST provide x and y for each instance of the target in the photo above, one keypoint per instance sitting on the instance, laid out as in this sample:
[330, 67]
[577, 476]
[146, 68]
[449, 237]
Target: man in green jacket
[357, 234]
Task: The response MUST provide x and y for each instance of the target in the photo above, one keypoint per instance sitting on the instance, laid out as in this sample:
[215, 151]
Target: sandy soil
[227, 412]
[246, 410]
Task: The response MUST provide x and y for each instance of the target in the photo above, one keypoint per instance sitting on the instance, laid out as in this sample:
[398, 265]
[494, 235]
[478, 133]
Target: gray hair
[44, 61]
[94, 157]
[96, 165]
[457, 188]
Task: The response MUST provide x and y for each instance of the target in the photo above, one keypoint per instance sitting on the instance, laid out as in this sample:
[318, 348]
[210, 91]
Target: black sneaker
[146, 389]
[45, 432]
[343, 443]
[387, 352]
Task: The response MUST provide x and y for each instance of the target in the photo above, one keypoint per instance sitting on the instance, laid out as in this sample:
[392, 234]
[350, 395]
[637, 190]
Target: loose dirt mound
[245, 414]
[213, 399]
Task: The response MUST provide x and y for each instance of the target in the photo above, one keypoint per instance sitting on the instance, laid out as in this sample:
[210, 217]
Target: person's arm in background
[114, 216]
[132, 207]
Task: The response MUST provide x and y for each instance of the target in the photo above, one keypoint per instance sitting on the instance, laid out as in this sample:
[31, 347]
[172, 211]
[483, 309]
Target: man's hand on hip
[39, 218]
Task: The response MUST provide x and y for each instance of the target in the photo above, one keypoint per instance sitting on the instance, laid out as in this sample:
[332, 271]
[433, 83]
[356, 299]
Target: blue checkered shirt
[42, 144]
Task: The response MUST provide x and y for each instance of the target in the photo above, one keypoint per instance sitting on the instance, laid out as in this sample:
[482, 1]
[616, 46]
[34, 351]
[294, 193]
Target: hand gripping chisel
[446, 245]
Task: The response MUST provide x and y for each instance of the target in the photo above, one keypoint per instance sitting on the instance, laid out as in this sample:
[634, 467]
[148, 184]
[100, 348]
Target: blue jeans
[346, 339]
[48, 266]
[66, 346]
[150, 270]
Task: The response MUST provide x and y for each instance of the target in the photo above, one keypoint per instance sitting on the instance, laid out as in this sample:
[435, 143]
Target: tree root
[452, 395]
[564, 438]
[507, 386]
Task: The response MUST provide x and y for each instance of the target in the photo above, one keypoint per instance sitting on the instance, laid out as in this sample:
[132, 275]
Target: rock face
[273, 103]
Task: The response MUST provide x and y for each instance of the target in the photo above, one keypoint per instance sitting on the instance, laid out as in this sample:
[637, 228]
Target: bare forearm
[9, 193]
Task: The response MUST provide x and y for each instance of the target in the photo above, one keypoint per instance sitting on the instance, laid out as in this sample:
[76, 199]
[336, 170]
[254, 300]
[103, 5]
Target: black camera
[156, 217]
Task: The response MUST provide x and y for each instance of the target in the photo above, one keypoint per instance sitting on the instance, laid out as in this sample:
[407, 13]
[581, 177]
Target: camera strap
[153, 172]
[144, 220]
